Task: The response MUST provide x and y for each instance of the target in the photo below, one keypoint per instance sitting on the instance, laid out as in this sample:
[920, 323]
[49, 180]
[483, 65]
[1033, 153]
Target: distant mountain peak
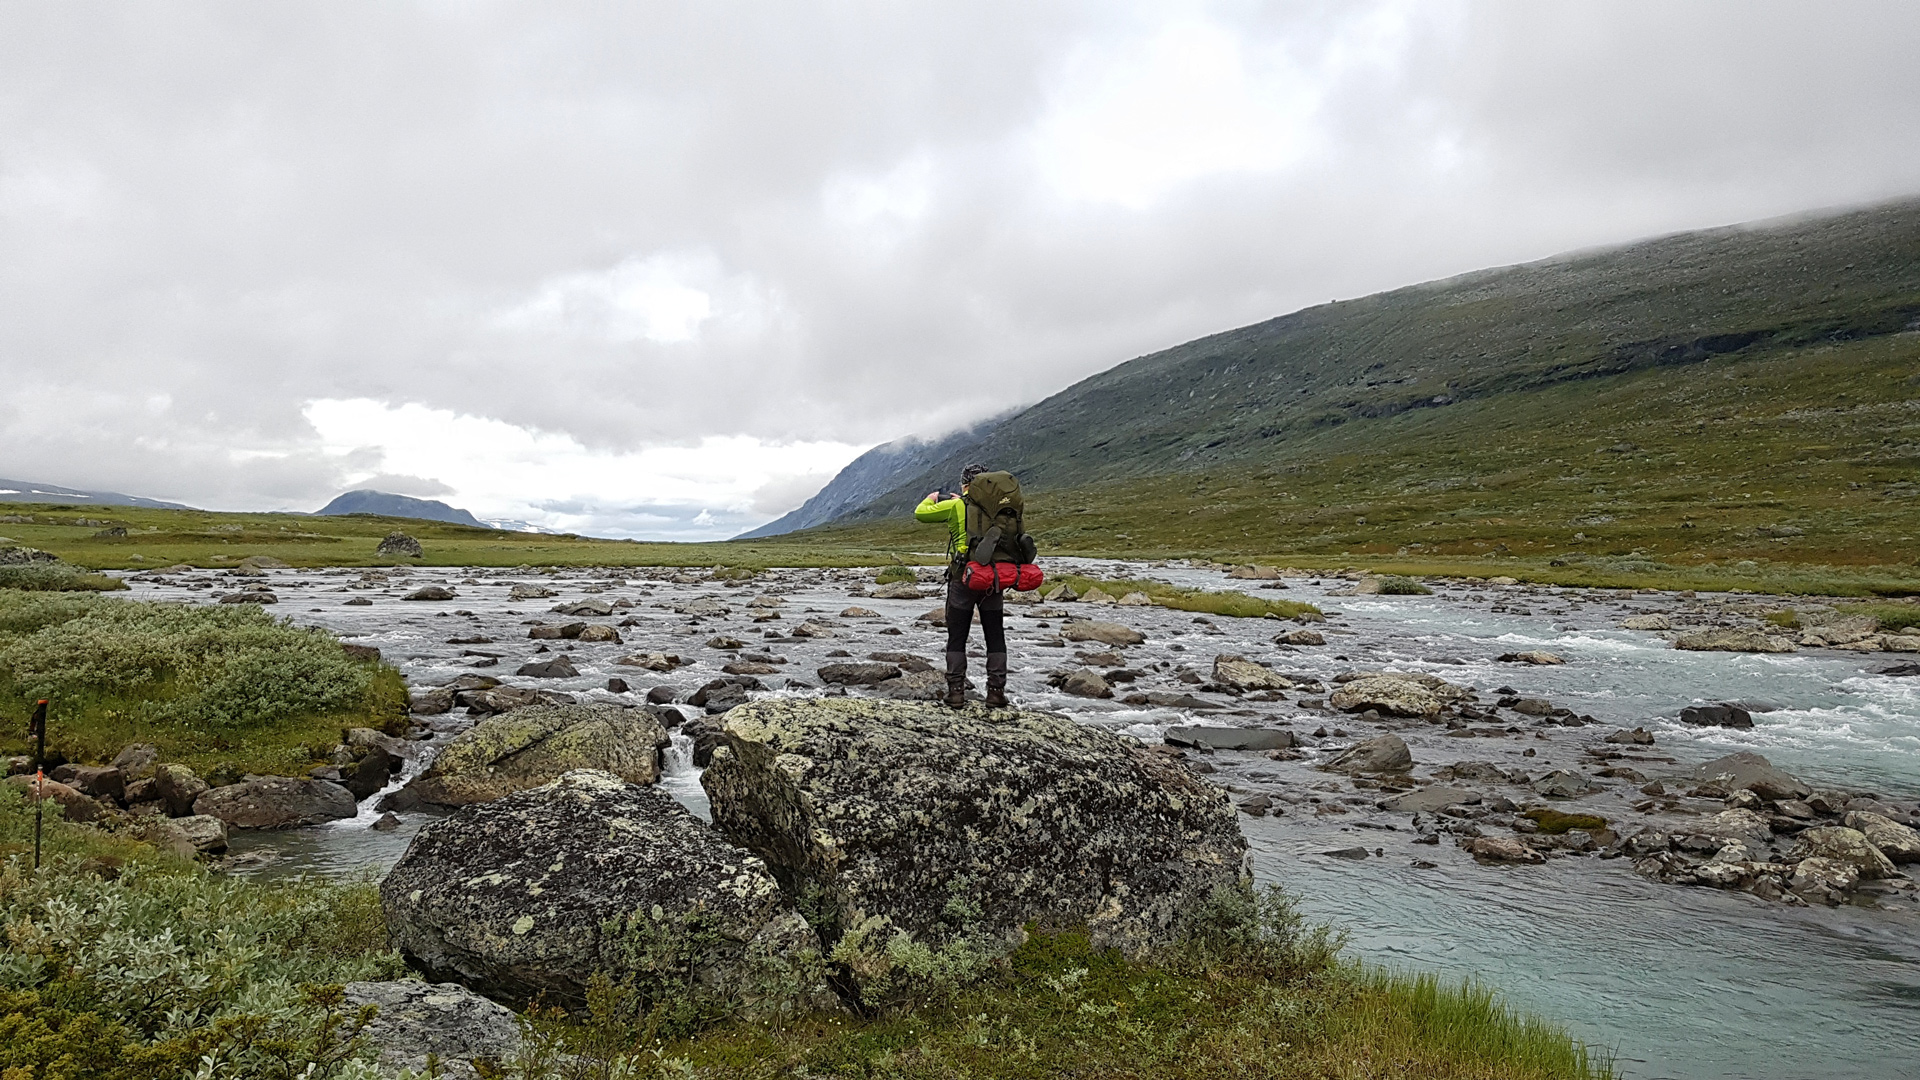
[22, 491]
[387, 504]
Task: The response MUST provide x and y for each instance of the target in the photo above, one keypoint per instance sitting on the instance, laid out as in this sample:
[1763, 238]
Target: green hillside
[1741, 395]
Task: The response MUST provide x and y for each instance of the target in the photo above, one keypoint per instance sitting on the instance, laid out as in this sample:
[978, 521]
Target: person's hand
[933, 496]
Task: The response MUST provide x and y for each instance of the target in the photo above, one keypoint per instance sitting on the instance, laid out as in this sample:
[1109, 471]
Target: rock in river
[276, 802]
[1107, 632]
[1385, 754]
[1844, 845]
[1243, 674]
[903, 815]
[1396, 693]
[1897, 842]
[533, 893]
[1722, 715]
[1734, 641]
[534, 746]
[1749, 771]
[560, 667]
[1227, 738]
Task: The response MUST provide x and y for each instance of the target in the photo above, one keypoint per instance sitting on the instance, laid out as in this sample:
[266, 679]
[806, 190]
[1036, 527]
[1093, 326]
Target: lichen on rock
[533, 893]
[533, 746]
[955, 825]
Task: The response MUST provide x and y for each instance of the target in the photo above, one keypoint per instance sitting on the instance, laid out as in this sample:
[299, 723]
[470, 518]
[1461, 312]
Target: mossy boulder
[533, 746]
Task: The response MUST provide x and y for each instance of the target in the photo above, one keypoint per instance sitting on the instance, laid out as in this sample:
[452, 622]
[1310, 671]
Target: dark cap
[967, 474]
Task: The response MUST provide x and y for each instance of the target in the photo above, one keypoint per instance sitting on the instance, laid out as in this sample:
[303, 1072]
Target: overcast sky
[659, 270]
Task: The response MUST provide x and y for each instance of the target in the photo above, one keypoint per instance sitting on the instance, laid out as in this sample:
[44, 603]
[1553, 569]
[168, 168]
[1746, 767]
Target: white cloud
[656, 299]
[707, 491]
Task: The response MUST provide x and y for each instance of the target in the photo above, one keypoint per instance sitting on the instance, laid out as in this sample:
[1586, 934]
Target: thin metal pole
[39, 733]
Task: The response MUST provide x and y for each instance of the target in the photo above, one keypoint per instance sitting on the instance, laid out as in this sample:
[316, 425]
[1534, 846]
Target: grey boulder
[904, 817]
[1843, 845]
[276, 802]
[531, 894]
[1243, 674]
[530, 747]
[1899, 843]
[1384, 754]
[1226, 738]
[399, 543]
[1749, 771]
[458, 1027]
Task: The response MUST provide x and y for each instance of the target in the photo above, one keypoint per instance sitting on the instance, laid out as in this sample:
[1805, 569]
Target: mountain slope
[1322, 376]
[22, 491]
[872, 475]
[388, 505]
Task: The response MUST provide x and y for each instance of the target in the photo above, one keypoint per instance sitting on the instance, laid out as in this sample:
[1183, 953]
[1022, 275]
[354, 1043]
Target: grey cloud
[212, 213]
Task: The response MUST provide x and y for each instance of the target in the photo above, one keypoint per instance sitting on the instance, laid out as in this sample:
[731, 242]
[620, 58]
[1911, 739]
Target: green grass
[160, 538]
[1401, 585]
[1060, 1008]
[122, 964]
[218, 688]
[895, 572]
[1235, 604]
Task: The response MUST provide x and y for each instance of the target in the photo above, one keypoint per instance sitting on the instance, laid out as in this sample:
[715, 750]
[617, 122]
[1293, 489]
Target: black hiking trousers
[993, 615]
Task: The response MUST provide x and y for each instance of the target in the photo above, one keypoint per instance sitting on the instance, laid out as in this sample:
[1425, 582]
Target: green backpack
[996, 520]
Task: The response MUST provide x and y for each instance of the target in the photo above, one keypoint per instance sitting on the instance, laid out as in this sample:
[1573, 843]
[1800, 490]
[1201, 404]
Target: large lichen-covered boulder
[529, 747]
[533, 893]
[948, 825]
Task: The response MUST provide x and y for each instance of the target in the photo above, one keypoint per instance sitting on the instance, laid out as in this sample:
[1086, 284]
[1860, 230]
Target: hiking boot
[997, 680]
[956, 679]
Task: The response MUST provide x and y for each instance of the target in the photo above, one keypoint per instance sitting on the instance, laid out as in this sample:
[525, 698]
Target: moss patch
[1554, 822]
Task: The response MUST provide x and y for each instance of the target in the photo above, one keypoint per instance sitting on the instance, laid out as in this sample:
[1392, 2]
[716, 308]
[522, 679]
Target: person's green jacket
[951, 511]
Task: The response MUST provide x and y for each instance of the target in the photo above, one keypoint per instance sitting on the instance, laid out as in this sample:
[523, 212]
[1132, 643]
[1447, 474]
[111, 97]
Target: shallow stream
[1677, 982]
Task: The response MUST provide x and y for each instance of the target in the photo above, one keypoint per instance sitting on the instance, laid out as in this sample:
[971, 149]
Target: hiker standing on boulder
[990, 552]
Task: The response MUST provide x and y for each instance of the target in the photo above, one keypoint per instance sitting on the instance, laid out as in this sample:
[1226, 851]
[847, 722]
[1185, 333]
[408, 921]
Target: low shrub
[897, 572]
[1402, 586]
[122, 964]
[56, 577]
[202, 683]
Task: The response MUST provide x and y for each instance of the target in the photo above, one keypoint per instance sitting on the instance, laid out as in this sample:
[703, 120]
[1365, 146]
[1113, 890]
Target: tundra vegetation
[224, 689]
